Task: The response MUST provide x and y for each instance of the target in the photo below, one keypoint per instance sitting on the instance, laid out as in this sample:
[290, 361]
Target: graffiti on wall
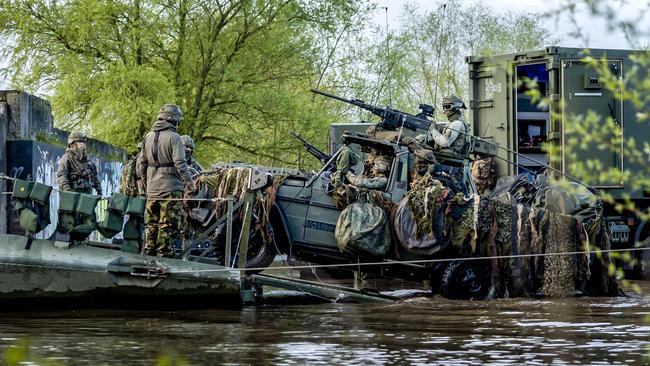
[41, 167]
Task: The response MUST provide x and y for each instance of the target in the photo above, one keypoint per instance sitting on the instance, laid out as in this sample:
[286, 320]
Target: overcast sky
[596, 31]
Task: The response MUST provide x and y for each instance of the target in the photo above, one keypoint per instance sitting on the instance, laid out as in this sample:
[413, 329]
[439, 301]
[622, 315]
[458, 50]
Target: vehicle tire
[466, 280]
[260, 254]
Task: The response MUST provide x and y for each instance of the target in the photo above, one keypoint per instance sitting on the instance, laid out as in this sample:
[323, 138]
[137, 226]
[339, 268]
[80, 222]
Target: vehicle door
[584, 94]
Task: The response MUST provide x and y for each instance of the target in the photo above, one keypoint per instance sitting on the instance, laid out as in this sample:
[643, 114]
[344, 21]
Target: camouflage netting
[232, 182]
[484, 174]
[363, 228]
[550, 220]
[432, 215]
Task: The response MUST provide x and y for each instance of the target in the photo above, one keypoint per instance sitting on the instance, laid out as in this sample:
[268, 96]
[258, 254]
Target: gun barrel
[316, 91]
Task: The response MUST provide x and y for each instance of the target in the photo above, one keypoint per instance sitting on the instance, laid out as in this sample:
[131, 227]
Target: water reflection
[417, 331]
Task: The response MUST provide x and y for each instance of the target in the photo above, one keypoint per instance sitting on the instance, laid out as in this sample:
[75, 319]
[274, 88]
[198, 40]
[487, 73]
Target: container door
[586, 99]
[490, 100]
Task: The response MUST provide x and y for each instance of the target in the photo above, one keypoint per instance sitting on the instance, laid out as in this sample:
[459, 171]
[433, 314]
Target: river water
[591, 331]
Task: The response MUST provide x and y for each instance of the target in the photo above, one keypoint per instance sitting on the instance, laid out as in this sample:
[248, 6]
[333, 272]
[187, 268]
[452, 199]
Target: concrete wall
[31, 149]
[37, 161]
[28, 116]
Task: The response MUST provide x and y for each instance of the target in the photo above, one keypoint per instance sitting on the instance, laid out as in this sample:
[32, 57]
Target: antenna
[390, 67]
[442, 25]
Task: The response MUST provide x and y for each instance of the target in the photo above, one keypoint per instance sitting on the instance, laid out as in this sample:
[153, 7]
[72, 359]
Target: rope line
[424, 261]
[189, 199]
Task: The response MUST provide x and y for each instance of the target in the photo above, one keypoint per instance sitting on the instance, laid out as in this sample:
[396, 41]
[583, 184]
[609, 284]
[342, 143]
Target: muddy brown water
[608, 331]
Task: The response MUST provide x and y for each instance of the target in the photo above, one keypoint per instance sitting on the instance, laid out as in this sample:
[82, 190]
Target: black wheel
[466, 280]
[260, 253]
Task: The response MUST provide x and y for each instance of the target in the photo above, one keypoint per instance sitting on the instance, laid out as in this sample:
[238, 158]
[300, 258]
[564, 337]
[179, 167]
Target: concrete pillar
[3, 167]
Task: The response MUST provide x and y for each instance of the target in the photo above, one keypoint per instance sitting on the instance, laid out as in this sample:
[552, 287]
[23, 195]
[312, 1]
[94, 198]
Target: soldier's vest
[461, 144]
[81, 174]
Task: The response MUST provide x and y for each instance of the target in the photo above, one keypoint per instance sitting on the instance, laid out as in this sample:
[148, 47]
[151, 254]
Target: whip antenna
[390, 67]
[442, 26]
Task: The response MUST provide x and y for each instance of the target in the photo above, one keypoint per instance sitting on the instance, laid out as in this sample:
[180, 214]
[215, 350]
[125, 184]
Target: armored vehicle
[309, 214]
[502, 110]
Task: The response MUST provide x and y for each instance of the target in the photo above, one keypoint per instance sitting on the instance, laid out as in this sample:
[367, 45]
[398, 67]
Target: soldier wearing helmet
[188, 142]
[377, 177]
[163, 166]
[78, 174]
[454, 135]
[75, 171]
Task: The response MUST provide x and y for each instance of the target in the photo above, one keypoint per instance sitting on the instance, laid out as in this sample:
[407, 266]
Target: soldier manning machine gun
[391, 119]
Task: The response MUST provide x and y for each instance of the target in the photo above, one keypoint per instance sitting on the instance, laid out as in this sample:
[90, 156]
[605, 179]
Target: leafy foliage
[240, 70]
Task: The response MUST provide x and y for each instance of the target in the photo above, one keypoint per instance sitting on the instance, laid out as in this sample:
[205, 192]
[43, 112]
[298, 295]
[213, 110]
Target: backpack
[129, 179]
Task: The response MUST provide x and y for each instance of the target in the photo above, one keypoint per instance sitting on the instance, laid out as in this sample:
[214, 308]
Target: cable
[425, 261]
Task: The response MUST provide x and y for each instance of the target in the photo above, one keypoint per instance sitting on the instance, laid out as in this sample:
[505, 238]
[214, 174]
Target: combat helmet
[452, 102]
[76, 136]
[187, 141]
[171, 113]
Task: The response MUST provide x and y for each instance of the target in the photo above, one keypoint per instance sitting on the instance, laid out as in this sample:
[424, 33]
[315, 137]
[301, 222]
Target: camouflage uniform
[162, 162]
[451, 137]
[188, 142]
[129, 182]
[345, 161]
[377, 178]
[78, 174]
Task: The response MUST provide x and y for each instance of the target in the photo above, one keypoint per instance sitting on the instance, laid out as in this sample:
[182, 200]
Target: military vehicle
[501, 110]
[305, 215]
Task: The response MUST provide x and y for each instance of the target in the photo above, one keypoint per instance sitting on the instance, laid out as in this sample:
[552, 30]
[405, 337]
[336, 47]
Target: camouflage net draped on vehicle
[432, 219]
[232, 182]
[362, 228]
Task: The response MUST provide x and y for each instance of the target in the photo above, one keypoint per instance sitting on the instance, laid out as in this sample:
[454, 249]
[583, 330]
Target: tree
[240, 69]
[427, 51]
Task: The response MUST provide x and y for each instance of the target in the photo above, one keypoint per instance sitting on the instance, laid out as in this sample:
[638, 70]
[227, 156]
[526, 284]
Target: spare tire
[260, 253]
[466, 280]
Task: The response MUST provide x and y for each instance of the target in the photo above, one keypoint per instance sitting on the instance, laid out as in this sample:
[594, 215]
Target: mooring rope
[423, 261]
[215, 199]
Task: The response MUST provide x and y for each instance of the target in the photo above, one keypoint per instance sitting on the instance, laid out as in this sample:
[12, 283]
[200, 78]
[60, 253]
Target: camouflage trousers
[346, 160]
[162, 225]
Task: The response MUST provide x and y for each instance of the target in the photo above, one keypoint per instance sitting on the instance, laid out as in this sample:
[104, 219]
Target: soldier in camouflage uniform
[188, 142]
[129, 181]
[451, 137]
[162, 164]
[78, 174]
[346, 160]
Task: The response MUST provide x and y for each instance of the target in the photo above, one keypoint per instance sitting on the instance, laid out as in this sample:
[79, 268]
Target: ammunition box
[136, 206]
[68, 201]
[40, 193]
[22, 188]
[132, 229]
[112, 223]
[118, 202]
[86, 204]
